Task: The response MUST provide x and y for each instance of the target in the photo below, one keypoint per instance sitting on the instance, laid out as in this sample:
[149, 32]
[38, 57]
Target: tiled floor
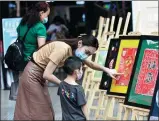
[7, 106]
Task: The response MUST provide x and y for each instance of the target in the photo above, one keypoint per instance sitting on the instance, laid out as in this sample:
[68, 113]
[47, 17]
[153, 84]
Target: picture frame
[110, 62]
[154, 110]
[100, 59]
[145, 73]
[124, 64]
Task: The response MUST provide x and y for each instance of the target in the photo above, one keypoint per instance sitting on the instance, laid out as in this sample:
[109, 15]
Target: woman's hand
[113, 73]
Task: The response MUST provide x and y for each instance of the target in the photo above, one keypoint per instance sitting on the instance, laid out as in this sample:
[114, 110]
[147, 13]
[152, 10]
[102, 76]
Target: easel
[108, 113]
[137, 113]
[101, 22]
[93, 85]
[111, 32]
[88, 71]
[95, 82]
[111, 99]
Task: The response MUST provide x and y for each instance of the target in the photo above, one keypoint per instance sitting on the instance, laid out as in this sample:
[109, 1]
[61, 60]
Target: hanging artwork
[124, 64]
[110, 62]
[101, 57]
[145, 73]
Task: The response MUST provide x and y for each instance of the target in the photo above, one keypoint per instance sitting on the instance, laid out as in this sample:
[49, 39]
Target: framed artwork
[100, 59]
[110, 62]
[154, 111]
[124, 64]
[145, 73]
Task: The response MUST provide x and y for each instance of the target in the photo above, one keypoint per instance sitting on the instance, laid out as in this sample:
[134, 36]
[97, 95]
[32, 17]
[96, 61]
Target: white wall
[148, 20]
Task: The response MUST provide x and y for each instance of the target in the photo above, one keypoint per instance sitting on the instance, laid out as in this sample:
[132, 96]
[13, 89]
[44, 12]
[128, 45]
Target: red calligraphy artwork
[126, 65]
[147, 77]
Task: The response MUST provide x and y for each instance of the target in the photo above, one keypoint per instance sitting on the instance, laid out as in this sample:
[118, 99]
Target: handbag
[14, 91]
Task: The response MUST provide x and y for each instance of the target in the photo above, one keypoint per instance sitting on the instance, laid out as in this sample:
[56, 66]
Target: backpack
[14, 55]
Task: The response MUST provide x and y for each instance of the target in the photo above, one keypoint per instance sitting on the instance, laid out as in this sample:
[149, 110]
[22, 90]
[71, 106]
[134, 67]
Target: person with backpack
[33, 100]
[31, 35]
[34, 20]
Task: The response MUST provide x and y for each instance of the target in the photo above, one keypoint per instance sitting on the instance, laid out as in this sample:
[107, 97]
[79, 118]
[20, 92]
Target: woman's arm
[48, 73]
[95, 66]
[111, 72]
[41, 41]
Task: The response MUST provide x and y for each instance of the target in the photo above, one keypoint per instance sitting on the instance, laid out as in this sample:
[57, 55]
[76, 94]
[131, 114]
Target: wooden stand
[111, 32]
[101, 22]
[111, 105]
[107, 103]
[137, 113]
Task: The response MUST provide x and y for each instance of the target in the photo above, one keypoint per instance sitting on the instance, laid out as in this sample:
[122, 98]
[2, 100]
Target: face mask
[79, 76]
[45, 20]
[81, 55]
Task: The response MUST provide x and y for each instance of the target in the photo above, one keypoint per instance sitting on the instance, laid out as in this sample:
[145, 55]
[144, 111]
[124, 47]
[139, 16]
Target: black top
[72, 99]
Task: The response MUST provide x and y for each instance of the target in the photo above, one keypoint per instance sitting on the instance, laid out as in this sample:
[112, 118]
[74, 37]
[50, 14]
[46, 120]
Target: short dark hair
[71, 64]
[90, 40]
[32, 16]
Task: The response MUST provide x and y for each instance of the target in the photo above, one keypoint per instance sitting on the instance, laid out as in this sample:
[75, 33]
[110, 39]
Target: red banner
[126, 65]
[147, 77]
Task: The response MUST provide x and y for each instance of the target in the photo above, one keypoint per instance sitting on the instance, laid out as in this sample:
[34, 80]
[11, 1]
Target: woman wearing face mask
[34, 21]
[33, 100]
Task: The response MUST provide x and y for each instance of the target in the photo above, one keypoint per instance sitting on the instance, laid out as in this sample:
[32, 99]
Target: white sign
[148, 19]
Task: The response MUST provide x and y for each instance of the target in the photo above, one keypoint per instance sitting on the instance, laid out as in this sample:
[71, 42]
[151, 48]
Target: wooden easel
[93, 85]
[95, 82]
[111, 99]
[87, 70]
[104, 35]
[111, 32]
[101, 101]
[137, 113]
[101, 22]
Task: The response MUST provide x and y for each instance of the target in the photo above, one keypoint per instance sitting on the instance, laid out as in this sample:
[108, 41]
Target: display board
[145, 73]
[124, 64]
[9, 26]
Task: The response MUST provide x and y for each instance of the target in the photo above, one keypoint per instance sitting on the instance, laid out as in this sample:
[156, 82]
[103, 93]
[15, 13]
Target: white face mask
[45, 20]
[82, 55]
[79, 75]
